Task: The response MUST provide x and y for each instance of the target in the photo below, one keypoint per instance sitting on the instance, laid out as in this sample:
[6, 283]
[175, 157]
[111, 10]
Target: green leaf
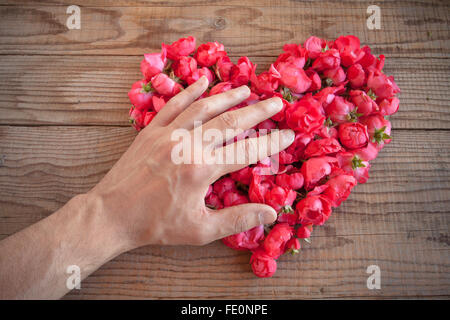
[379, 135]
[357, 163]
[372, 94]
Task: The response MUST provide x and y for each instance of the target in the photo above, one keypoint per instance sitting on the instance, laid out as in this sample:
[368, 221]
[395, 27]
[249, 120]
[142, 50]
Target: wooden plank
[409, 28]
[92, 90]
[398, 220]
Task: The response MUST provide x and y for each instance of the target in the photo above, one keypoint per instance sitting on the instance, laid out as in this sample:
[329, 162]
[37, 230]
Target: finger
[231, 122]
[181, 101]
[207, 108]
[240, 154]
[240, 218]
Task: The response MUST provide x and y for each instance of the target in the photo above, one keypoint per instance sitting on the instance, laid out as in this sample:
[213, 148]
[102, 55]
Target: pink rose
[180, 48]
[165, 85]
[208, 53]
[353, 135]
[153, 64]
[263, 265]
[313, 210]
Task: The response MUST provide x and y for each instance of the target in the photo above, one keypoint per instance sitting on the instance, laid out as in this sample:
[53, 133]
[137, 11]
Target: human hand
[148, 199]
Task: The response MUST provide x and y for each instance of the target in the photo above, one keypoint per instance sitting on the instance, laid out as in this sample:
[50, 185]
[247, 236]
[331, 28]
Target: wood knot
[220, 23]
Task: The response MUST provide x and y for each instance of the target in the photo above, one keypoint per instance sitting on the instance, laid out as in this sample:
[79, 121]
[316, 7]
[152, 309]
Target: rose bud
[383, 86]
[223, 68]
[356, 76]
[241, 72]
[314, 46]
[153, 64]
[353, 135]
[305, 115]
[337, 75]
[213, 201]
[180, 48]
[141, 94]
[353, 164]
[275, 242]
[339, 188]
[292, 181]
[389, 106]
[341, 110]
[364, 103]
[329, 59]
[316, 82]
[184, 67]
[223, 185]
[315, 169]
[313, 210]
[149, 117]
[349, 49]
[208, 53]
[136, 118]
[280, 198]
[304, 232]
[293, 246]
[263, 265]
[247, 240]
[165, 85]
[322, 147]
[379, 129]
[198, 73]
[233, 198]
[267, 82]
[369, 61]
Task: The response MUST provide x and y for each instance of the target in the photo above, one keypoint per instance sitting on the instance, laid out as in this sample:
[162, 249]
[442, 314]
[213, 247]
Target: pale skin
[145, 199]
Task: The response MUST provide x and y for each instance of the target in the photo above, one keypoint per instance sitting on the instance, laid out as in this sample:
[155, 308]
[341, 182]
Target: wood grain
[63, 110]
[409, 28]
[403, 207]
[92, 90]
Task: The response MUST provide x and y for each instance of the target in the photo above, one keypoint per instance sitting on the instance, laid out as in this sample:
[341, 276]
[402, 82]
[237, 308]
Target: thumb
[241, 218]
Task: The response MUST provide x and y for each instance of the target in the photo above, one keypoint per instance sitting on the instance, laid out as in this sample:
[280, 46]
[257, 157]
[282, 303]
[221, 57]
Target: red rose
[184, 67]
[349, 50]
[208, 53]
[369, 61]
[198, 73]
[180, 48]
[316, 82]
[382, 85]
[322, 147]
[291, 72]
[223, 185]
[140, 95]
[315, 169]
[247, 240]
[369, 152]
[292, 181]
[220, 87]
[293, 246]
[389, 106]
[329, 59]
[136, 118]
[353, 135]
[214, 201]
[275, 241]
[314, 46]
[243, 175]
[304, 232]
[305, 115]
[224, 66]
[356, 76]
[341, 110]
[339, 188]
[241, 72]
[165, 86]
[263, 265]
[234, 198]
[158, 102]
[153, 64]
[267, 82]
[379, 129]
[149, 117]
[365, 104]
[313, 210]
[279, 198]
[351, 163]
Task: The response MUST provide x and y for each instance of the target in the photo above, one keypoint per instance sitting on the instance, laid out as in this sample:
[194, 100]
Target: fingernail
[276, 103]
[287, 136]
[267, 217]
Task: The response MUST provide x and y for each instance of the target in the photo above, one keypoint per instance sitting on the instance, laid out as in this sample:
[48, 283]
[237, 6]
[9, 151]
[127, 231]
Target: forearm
[34, 261]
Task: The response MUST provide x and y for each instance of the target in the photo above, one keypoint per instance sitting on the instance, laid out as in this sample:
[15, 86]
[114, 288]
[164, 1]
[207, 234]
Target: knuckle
[229, 119]
[240, 224]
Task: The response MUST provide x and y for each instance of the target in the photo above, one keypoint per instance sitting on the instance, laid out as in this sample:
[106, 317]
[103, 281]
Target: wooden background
[63, 123]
